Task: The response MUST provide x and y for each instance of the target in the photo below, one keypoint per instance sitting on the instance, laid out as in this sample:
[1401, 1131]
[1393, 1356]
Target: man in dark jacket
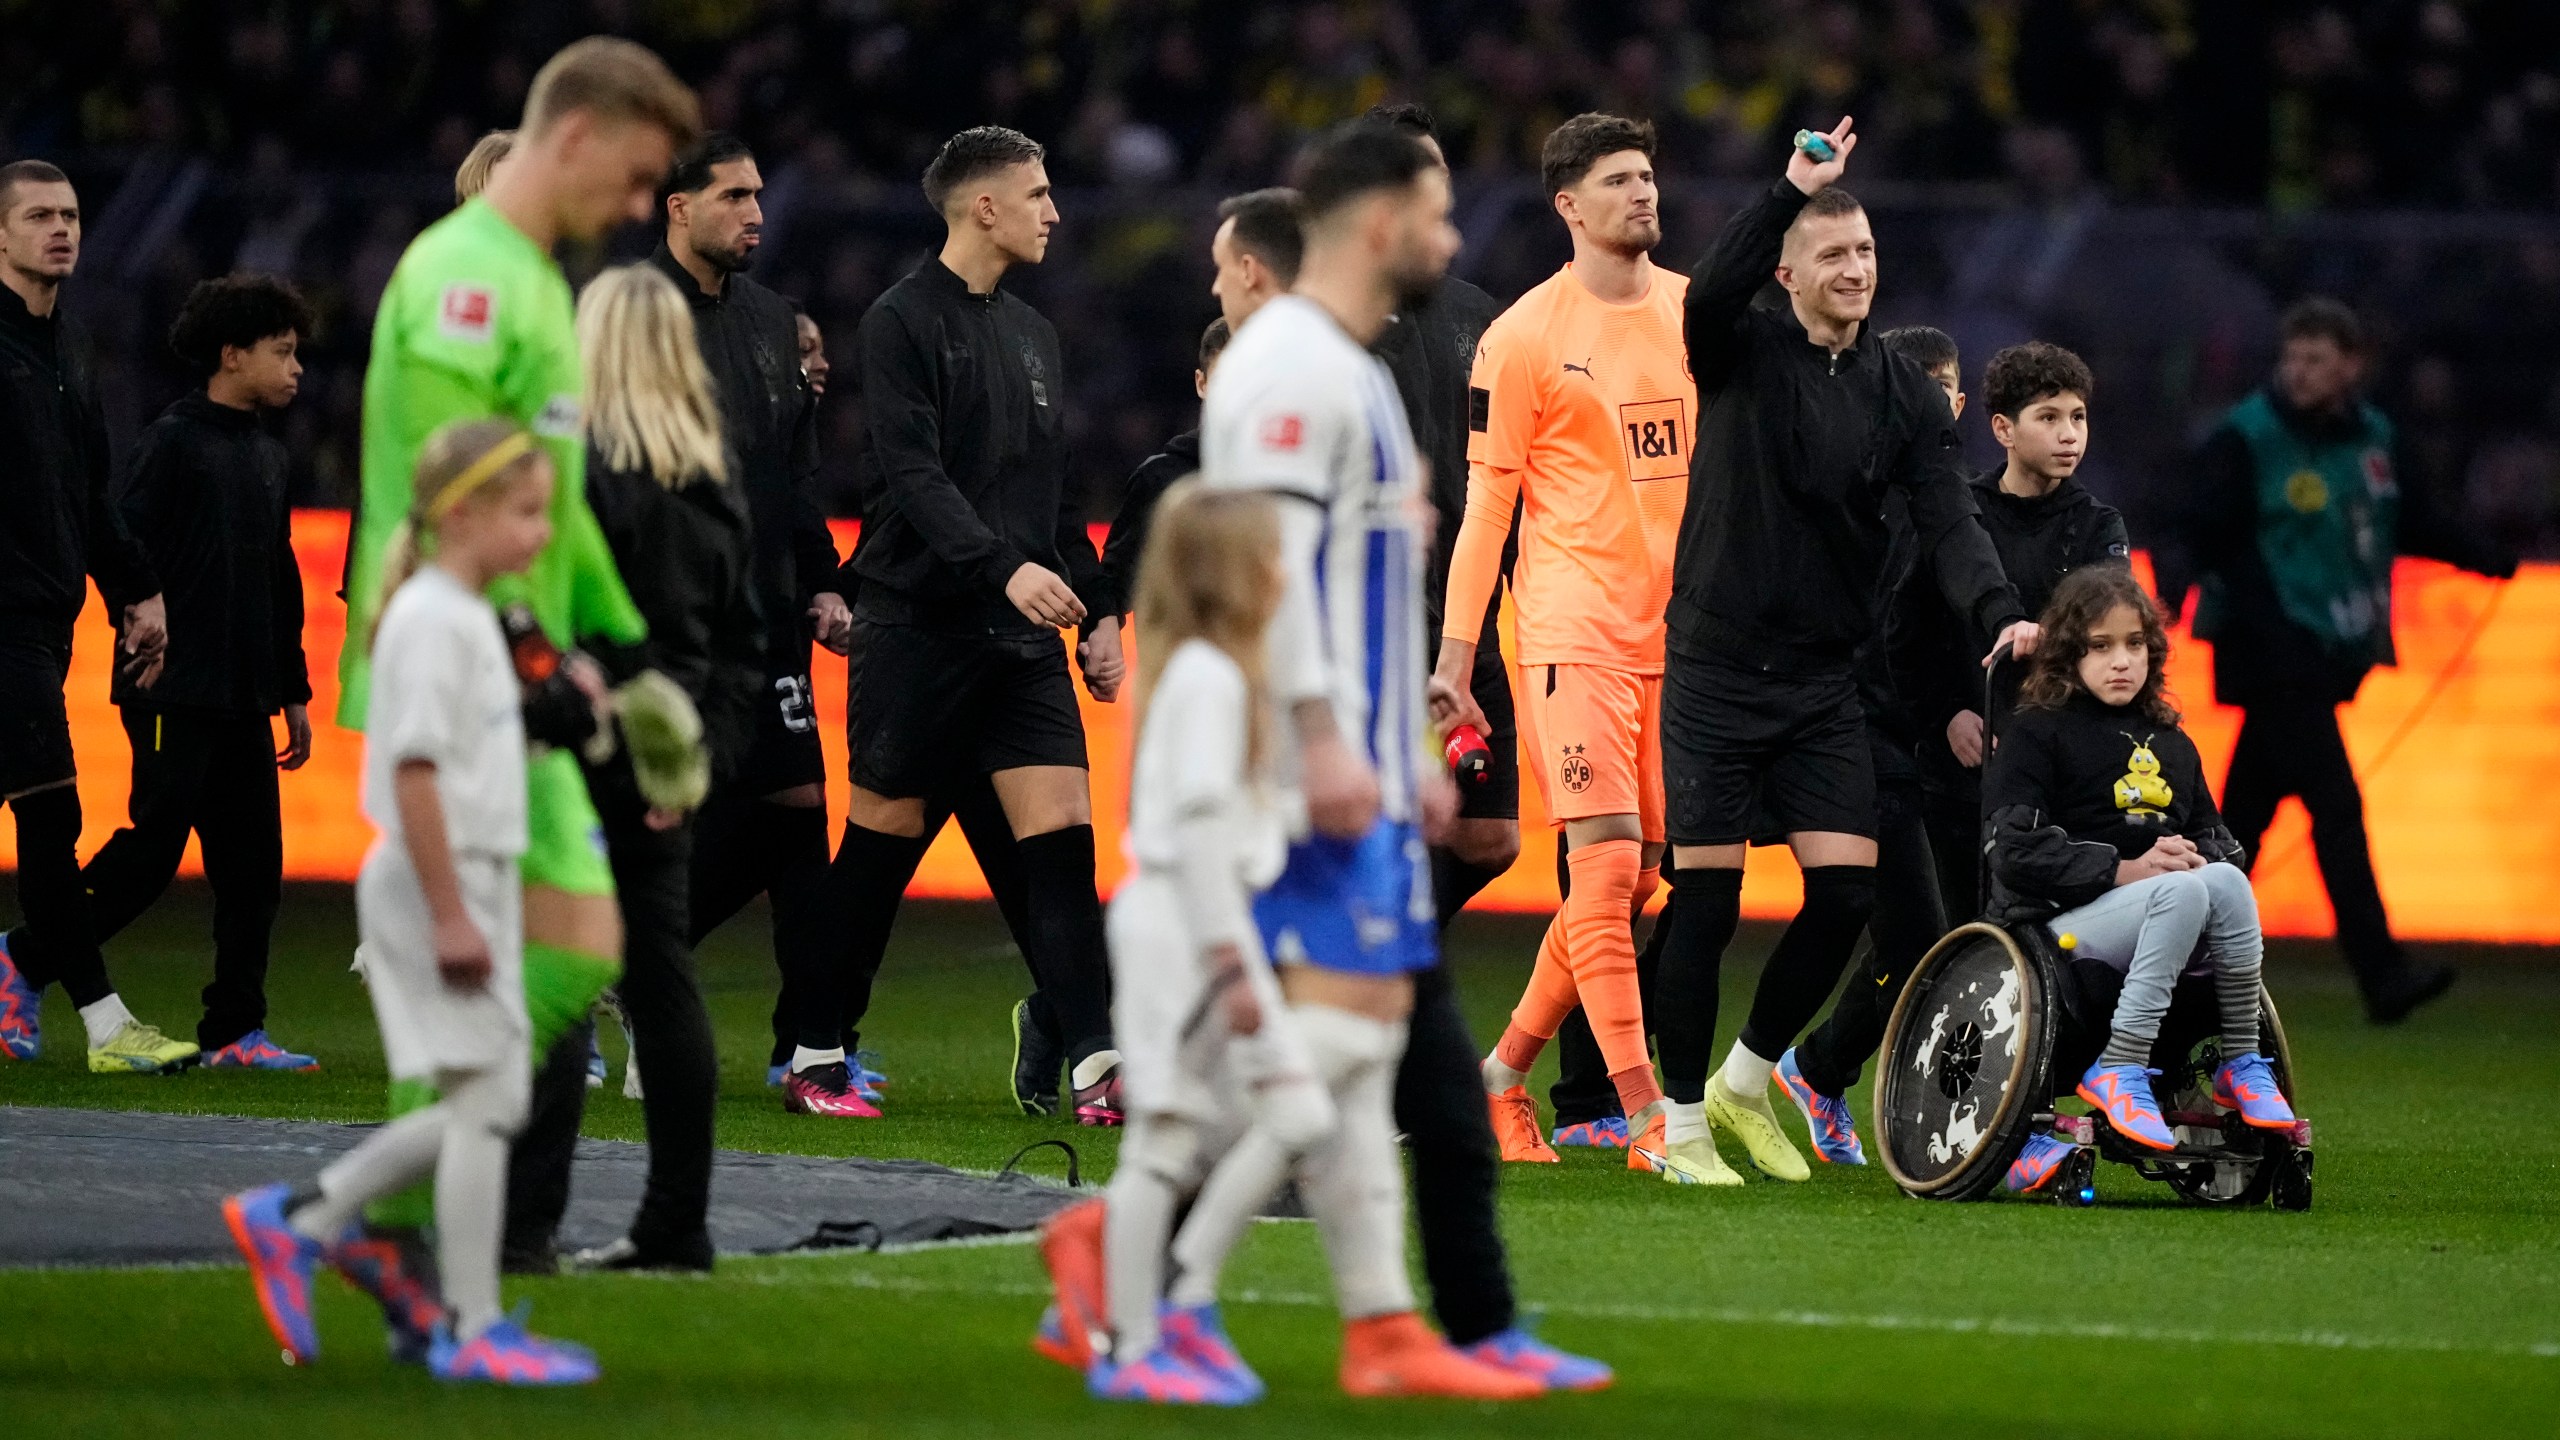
[764, 829]
[1808, 424]
[205, 499]
[58, 530]
[2292, 522]
[973, 558]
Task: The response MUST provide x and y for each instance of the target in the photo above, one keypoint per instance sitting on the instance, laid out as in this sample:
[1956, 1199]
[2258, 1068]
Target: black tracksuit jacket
[2070, 792]
[750, 342]
[688, 558]
[204, 496]
[1430, 349]
[967, 463]
[58, 523]
[1782, 553]
[1129, 525]
[1937, 664]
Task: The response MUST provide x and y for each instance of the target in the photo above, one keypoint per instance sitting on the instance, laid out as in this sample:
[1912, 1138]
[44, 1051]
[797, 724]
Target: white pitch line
[1806, 1320]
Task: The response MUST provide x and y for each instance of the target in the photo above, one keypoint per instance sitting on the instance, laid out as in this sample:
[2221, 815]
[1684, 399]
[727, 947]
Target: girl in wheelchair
[2100, 825]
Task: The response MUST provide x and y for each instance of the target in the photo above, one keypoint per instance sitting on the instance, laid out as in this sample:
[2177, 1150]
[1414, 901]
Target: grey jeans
[2150, 928]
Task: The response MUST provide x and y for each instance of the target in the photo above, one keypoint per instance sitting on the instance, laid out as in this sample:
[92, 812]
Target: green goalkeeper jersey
[478, 321]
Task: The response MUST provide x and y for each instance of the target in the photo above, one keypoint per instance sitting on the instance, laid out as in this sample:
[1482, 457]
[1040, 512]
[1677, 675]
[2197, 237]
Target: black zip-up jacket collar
[1782, 550]
[58, 525]
[750, 342]
[2071, 792]
[965, 474]
[205, 496]
[1130, 523]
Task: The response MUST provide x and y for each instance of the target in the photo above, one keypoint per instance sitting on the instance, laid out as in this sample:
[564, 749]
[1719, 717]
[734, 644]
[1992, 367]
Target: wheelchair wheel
[2187, 1064]
[1966, 1061]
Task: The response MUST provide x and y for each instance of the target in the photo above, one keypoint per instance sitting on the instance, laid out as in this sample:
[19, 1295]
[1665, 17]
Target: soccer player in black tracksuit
[765, 829]
[204, 496]
[973, 557]
[1807, 424]
[1923, 686]
[58, 529]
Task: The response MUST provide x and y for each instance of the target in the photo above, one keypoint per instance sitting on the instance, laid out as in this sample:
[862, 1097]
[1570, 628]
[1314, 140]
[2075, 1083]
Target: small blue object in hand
[1815, 144]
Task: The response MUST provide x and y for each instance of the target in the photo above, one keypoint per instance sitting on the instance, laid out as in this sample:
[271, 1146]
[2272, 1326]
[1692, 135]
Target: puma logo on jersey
[1584, 367]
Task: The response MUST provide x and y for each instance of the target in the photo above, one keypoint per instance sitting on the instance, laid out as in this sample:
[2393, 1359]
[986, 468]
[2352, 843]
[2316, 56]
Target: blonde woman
[658, 481]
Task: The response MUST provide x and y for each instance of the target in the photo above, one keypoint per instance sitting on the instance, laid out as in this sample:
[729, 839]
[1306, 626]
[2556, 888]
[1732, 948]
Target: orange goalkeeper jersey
[1581, 416]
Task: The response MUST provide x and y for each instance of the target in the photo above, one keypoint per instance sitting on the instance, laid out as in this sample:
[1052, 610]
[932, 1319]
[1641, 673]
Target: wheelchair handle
[2001, 654]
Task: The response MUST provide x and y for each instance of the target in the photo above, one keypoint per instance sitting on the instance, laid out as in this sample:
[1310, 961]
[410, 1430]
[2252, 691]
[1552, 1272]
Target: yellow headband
[478, 473]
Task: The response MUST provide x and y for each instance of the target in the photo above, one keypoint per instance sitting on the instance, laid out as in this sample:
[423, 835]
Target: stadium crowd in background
[310, 140]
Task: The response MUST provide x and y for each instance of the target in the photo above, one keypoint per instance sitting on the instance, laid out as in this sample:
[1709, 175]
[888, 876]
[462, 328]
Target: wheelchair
[1998, 1022]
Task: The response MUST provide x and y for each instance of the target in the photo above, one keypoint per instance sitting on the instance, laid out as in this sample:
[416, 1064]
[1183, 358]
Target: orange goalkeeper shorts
[1593, 738]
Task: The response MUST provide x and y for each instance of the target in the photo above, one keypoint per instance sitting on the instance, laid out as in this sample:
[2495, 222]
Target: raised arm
[1745, 257]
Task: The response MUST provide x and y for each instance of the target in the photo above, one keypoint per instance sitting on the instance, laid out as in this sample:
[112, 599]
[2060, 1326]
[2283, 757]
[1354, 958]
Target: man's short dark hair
[1575, 146]
[2317, 317]
[2024, 374]
[1213, 341]
[1270, 227]
[27, 172]
[237, 311]
[1412, 119]
[974, 154]
[691, 174]
[1356, 159]
[1926, 346]
[1830, 203]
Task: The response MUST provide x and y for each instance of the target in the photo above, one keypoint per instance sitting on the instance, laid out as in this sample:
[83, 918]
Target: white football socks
[1682, 1121]
[804, 1058]
[1499, 1077]
[1746, 1074]
[103, 1018]
[1093, 1069]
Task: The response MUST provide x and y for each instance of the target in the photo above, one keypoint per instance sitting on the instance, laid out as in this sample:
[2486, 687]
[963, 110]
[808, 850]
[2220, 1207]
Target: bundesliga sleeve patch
[1479, 409]
[468, 312]
[1284, 433]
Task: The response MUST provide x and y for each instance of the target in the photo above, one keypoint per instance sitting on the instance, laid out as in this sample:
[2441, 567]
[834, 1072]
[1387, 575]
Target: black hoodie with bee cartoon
[2071, 792]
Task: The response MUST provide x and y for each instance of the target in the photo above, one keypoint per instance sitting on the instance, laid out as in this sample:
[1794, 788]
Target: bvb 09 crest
[1575, 771]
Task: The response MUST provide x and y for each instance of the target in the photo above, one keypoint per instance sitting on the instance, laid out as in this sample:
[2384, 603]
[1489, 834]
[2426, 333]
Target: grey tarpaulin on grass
[93, 1187]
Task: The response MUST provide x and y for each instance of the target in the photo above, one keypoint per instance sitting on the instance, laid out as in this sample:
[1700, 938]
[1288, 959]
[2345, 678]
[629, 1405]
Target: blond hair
[472, 176]
[1210, 571]
[612, 79]
[649, 400]
[460, 460]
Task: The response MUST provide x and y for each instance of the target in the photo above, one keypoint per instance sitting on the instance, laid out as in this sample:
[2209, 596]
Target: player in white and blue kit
[1298, 408]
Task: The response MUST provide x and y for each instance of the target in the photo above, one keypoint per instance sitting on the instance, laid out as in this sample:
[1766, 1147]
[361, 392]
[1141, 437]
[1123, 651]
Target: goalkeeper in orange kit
[1581, 413]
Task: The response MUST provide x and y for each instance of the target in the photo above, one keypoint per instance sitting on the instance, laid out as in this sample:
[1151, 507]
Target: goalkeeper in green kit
[478, 321]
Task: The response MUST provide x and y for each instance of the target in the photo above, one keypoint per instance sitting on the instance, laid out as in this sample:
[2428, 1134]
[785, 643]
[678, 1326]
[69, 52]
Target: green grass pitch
[2421, 1296]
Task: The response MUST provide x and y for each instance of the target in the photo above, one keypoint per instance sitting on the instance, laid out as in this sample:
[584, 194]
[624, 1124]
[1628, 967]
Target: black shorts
[925, 706]
[786, 752]
[35, 731]
[1497, 796]
[1746, 753]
